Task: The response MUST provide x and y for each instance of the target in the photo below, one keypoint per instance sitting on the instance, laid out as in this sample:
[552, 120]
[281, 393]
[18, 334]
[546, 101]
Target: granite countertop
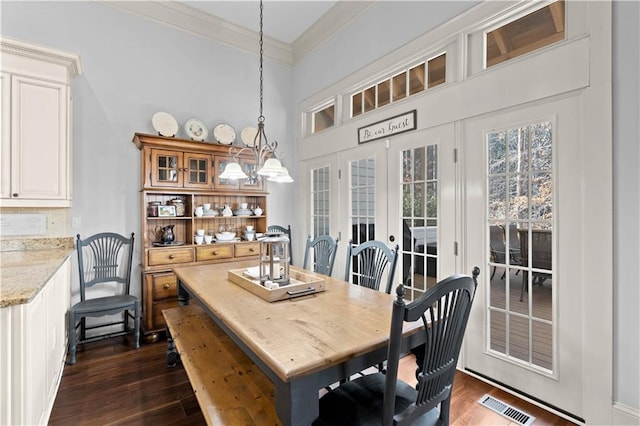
[27, 265]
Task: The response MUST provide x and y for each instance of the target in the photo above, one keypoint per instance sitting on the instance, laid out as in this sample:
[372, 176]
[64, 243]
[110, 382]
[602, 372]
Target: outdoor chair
[541, 256]
[382, 398]
[497, 247]
[104, 259]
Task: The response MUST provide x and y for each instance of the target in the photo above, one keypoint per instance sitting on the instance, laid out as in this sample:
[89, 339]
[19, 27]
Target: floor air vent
[506, 410]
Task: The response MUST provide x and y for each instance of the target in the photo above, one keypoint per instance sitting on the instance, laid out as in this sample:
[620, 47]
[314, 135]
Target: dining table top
[300, 336]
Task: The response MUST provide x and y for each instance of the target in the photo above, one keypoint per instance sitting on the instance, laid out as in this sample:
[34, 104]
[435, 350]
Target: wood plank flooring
[114, 384]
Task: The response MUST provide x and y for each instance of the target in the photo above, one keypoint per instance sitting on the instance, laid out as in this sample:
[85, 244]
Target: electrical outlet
[75, 222]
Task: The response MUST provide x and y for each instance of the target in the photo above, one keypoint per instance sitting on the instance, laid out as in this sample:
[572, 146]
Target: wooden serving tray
[301, 284]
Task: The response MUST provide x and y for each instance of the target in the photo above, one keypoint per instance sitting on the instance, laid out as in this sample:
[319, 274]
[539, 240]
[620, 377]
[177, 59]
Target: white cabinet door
[39, 143]
[5, 135]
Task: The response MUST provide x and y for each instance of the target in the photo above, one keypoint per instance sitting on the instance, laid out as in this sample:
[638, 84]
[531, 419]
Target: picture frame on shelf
[166, 211]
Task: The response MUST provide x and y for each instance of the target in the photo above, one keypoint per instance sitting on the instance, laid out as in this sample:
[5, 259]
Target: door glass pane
[419, 219]
[362, 200]
[363, 205]
[167, 168]
[198, 170]
[320, 195]
[520, 230]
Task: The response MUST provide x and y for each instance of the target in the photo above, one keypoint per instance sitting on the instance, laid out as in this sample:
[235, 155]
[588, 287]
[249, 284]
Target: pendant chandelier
[267, 161]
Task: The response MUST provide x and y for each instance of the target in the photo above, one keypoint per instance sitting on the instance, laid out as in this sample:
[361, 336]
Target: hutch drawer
[214, 251]
[170, 256]
[247, 249]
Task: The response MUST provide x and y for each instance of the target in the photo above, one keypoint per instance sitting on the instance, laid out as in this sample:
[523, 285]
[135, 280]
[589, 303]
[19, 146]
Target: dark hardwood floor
[113, 384]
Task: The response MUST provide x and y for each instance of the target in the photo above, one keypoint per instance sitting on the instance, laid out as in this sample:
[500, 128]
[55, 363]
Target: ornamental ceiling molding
[70, 61]
[190, 20]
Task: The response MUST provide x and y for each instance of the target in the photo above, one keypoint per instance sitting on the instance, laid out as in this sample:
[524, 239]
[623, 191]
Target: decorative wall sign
[385, 128]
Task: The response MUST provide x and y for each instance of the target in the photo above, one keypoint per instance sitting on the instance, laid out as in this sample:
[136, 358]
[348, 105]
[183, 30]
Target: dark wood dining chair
[368, 261]
[384, 399]
[104, 259]
[287, 232]
[321, 252]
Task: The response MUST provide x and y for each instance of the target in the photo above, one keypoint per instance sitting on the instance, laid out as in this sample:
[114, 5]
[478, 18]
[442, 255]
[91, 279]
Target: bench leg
[172, 353]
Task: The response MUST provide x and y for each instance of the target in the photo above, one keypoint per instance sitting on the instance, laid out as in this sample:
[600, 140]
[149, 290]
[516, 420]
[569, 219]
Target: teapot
[257, 211]
[165, 233]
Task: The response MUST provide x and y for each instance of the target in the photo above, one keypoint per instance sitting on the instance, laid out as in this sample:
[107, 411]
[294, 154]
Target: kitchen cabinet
[36, 125]
[173, 168]
[33, 340]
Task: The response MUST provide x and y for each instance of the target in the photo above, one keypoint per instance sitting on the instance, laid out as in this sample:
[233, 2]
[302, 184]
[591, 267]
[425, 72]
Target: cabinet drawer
[215, 251]
[164, 286]
[158, 318]
[168, 256]
[247, 249]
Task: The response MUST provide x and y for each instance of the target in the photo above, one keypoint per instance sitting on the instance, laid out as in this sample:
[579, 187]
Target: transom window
[324, 118]
[408, 82]
[528, 33]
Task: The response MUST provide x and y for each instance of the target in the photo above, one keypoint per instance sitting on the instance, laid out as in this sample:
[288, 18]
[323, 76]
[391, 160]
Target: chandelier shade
[267, 161]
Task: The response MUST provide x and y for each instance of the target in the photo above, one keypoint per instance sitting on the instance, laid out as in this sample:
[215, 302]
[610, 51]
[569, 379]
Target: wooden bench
[230, 388]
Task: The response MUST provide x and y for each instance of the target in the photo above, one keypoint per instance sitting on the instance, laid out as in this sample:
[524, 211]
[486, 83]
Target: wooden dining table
[301, 344]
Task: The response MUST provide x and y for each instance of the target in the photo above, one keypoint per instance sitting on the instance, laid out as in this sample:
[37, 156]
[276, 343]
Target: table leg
[297, 401]
[183, 294]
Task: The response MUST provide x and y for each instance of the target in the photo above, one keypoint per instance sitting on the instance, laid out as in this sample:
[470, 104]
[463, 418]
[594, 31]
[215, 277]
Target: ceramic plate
[165, 124]
[195, 130]
[224, 134]
[248, 135]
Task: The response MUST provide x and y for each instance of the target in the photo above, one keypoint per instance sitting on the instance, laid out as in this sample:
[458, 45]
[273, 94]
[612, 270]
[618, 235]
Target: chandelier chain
[261, 117]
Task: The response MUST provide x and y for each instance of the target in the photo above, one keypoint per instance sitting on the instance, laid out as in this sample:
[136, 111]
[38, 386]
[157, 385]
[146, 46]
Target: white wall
[133, 68]
[626, 199]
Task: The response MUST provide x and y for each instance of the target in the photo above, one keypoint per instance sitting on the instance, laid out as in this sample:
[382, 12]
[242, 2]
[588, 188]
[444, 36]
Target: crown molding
[339, 16]
[70, 61]
[185, 18]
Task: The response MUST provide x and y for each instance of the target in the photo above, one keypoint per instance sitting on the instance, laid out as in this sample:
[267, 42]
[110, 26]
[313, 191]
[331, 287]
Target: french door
[363, 197]
[422, 206]
[523, 227]
[403, 193]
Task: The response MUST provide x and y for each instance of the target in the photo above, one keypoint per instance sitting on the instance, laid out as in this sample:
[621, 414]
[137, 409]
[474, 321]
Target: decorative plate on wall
[248, 135]
[165, 124]
[195, 130]
[224, 134]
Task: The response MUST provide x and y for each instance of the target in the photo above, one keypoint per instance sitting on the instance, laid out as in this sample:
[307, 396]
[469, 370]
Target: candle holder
[274, 259]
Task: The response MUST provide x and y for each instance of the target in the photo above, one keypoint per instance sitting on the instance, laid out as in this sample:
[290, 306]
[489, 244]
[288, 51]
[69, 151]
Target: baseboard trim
[525, 397]
[622, 414]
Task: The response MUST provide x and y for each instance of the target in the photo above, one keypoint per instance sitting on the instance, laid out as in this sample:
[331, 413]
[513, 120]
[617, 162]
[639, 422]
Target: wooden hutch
[182, 169]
